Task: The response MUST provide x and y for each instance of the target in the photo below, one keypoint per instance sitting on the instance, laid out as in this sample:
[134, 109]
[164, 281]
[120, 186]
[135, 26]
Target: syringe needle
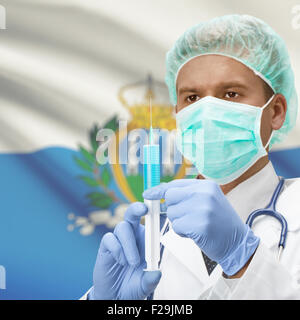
[150, 129]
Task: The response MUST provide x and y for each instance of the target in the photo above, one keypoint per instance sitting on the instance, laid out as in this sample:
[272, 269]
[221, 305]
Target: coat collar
[250, 195]
[255, 192]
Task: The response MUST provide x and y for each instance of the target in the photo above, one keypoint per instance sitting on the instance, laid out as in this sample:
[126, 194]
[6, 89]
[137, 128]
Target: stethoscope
[269, 210]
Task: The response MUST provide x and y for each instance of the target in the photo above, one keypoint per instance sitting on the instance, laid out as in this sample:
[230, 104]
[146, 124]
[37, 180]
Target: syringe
[152, 218]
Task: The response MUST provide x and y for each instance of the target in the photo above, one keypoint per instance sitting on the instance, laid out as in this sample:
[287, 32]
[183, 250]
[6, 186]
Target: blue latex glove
[199, 210]
[118, 272]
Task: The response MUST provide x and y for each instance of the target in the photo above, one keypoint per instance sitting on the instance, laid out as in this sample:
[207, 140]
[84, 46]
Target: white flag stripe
[63, 62]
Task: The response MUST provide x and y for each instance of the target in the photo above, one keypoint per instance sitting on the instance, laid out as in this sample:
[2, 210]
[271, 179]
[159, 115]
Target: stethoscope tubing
[270, 210]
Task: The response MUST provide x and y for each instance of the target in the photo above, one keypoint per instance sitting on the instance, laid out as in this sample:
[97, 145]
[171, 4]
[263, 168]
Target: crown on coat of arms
[162, 110]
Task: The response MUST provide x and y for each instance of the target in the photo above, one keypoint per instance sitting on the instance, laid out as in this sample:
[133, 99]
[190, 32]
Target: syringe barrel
[152, 234]
[152, 218]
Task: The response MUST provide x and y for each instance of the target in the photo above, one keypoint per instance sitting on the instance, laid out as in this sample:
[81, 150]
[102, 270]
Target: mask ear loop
[271, 136]
[264, 107]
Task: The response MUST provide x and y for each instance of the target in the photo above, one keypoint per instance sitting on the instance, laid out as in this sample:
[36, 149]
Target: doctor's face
[225, 78]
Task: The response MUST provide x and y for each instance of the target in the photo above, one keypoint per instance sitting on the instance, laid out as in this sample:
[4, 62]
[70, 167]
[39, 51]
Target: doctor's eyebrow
[233, 84]
[188, 89]
[223, 85]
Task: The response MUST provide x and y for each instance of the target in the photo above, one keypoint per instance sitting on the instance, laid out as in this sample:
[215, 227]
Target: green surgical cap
[248, 40]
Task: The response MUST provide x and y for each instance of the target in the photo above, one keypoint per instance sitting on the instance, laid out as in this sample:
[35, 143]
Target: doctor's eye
[192, 98]
[231, 94]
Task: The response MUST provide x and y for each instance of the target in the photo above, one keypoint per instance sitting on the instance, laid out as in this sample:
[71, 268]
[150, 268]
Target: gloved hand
[118, 272]
[199, 210]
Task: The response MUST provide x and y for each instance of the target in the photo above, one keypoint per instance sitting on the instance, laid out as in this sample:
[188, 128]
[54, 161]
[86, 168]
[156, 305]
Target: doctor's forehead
[215, 71]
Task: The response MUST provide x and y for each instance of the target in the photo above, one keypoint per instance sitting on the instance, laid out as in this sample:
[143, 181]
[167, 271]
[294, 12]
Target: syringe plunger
[152, 234]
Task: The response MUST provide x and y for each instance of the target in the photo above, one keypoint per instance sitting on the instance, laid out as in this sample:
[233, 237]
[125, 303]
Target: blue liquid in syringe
[151, 164]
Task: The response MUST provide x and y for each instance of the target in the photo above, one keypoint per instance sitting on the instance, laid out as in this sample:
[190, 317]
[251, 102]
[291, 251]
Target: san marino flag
[67, 70]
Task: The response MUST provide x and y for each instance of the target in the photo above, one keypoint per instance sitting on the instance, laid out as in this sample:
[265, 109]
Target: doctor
[232, 85]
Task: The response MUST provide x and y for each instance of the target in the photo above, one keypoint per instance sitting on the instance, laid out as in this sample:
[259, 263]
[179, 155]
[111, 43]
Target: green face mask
[221, 138]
